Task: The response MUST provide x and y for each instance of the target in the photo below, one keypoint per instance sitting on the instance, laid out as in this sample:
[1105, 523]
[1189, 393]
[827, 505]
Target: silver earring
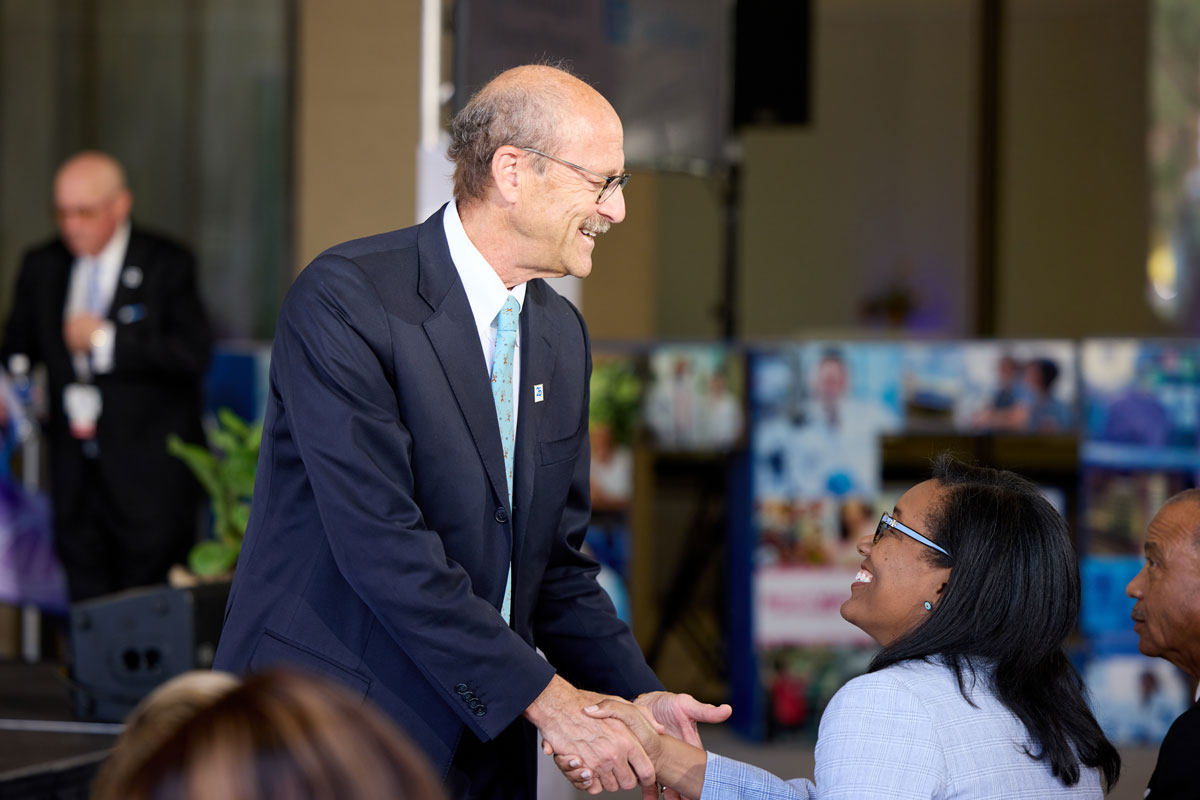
[928, 606]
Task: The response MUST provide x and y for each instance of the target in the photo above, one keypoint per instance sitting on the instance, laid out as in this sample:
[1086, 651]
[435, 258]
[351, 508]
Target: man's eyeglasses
[887, 521]
[611, 182]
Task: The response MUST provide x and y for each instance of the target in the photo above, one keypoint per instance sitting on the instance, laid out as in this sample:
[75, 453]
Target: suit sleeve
[176, 337]
[333, 370]
[20, 335]
[575, 623]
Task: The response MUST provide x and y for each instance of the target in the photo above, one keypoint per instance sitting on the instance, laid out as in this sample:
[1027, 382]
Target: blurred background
[859, 232]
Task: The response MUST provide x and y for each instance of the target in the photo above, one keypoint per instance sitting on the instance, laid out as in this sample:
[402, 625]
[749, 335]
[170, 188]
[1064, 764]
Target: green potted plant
[226, 470]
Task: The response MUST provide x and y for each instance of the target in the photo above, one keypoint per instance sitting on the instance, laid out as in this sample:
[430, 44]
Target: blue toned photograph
[819, 410]
[1018, 387]
[1141, 402]
[1135, 698]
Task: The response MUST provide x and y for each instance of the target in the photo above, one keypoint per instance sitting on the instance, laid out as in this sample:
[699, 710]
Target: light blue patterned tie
[93, 300]
[502, 393]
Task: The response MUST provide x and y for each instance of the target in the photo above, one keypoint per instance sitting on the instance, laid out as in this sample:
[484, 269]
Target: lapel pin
[132, 277]
[538, 394]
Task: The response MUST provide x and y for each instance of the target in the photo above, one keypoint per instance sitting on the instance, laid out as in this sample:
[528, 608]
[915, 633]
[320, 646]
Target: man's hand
[606, 748]
[678, 714]
[636, 721]
[78, 330]
[676, 763]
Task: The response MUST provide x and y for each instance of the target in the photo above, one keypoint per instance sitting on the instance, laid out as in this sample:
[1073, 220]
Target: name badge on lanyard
[83, 405]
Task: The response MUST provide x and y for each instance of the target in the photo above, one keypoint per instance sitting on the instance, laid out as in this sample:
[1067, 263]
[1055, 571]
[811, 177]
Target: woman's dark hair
[1011, 601]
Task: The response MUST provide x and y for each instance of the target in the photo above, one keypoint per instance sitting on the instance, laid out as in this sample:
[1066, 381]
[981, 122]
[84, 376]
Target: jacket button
[461, 688]
[474, 703]
[501, 515]
[468, 696]
[481, 710]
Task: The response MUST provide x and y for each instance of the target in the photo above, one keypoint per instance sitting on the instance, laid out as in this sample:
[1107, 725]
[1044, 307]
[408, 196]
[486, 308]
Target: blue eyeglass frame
[889, 521]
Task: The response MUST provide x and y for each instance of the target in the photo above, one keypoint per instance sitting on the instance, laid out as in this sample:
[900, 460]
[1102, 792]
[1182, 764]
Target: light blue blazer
[907, 732]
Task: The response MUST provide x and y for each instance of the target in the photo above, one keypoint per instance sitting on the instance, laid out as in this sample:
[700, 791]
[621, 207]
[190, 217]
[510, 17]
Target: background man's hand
[78, 330]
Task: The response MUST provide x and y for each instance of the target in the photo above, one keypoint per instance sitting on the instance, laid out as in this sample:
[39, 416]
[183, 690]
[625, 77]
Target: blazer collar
[452, 333]
[538, 334]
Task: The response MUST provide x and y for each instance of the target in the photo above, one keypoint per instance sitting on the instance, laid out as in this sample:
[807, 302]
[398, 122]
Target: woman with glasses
[971, 588]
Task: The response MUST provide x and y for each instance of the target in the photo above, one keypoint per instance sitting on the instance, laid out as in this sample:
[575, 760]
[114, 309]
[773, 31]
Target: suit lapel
[135, 257]
[537, 369]
[451, 331]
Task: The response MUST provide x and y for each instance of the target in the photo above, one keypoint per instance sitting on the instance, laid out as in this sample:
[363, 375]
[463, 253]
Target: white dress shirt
[486, 294]
[111, 259]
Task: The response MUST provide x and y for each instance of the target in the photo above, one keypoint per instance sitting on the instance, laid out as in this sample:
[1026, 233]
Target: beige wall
[880, 188]
[1072, 229]
[356, 120]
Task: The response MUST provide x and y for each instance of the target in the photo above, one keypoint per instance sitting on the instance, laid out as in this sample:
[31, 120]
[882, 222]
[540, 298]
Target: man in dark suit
[415, 532]
[1166, 618]
[113, 313]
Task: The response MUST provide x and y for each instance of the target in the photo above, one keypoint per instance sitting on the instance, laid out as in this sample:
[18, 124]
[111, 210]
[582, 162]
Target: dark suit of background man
[1166, 618]
[382, 534]
[113, 313]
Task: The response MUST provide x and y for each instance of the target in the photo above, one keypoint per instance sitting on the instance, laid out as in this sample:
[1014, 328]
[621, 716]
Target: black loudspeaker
[125, 644]
[772, 62]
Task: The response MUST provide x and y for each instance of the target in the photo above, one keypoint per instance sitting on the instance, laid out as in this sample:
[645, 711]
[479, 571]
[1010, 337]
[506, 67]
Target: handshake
[603, 743]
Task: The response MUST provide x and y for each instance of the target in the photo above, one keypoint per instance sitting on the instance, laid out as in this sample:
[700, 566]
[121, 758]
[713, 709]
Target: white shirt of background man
[111, 260]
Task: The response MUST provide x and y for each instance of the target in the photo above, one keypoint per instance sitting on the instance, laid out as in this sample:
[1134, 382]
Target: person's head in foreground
[1166, 616]
[154, 719]
[283, 734]
[971, 587]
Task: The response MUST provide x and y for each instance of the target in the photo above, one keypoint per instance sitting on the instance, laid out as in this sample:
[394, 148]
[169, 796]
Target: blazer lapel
[537, 369]
[131, 275]
[451, 331]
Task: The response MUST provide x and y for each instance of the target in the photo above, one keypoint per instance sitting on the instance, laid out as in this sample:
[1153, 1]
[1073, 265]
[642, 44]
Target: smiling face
[560, 218]
[1167, 612]
[896, 578]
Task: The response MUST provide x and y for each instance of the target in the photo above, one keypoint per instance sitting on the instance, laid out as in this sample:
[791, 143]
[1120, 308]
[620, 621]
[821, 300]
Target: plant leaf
[212, 558]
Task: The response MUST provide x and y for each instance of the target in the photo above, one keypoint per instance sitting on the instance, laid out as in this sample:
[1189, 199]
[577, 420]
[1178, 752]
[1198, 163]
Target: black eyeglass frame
[610, 181]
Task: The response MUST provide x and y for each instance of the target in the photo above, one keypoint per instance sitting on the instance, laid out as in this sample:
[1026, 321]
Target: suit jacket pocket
[559, 450]
[274, 650]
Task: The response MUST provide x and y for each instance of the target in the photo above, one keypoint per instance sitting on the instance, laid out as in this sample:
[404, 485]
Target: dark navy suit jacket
[380, 532]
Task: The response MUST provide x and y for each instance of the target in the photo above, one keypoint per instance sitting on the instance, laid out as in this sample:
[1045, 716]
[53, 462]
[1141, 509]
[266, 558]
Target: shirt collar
[114, 252]
[486, 293]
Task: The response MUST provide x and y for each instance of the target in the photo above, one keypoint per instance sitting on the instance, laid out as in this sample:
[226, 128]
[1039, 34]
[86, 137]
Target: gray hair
[504, 112]
[1192, 498]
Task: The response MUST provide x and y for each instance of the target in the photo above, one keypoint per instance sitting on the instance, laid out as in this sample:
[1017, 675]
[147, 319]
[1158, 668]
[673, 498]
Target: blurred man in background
[114, 315]
[1166, 618]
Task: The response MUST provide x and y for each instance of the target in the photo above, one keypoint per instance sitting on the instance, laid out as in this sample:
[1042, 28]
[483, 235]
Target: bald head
[532, 106]
[91, 201]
